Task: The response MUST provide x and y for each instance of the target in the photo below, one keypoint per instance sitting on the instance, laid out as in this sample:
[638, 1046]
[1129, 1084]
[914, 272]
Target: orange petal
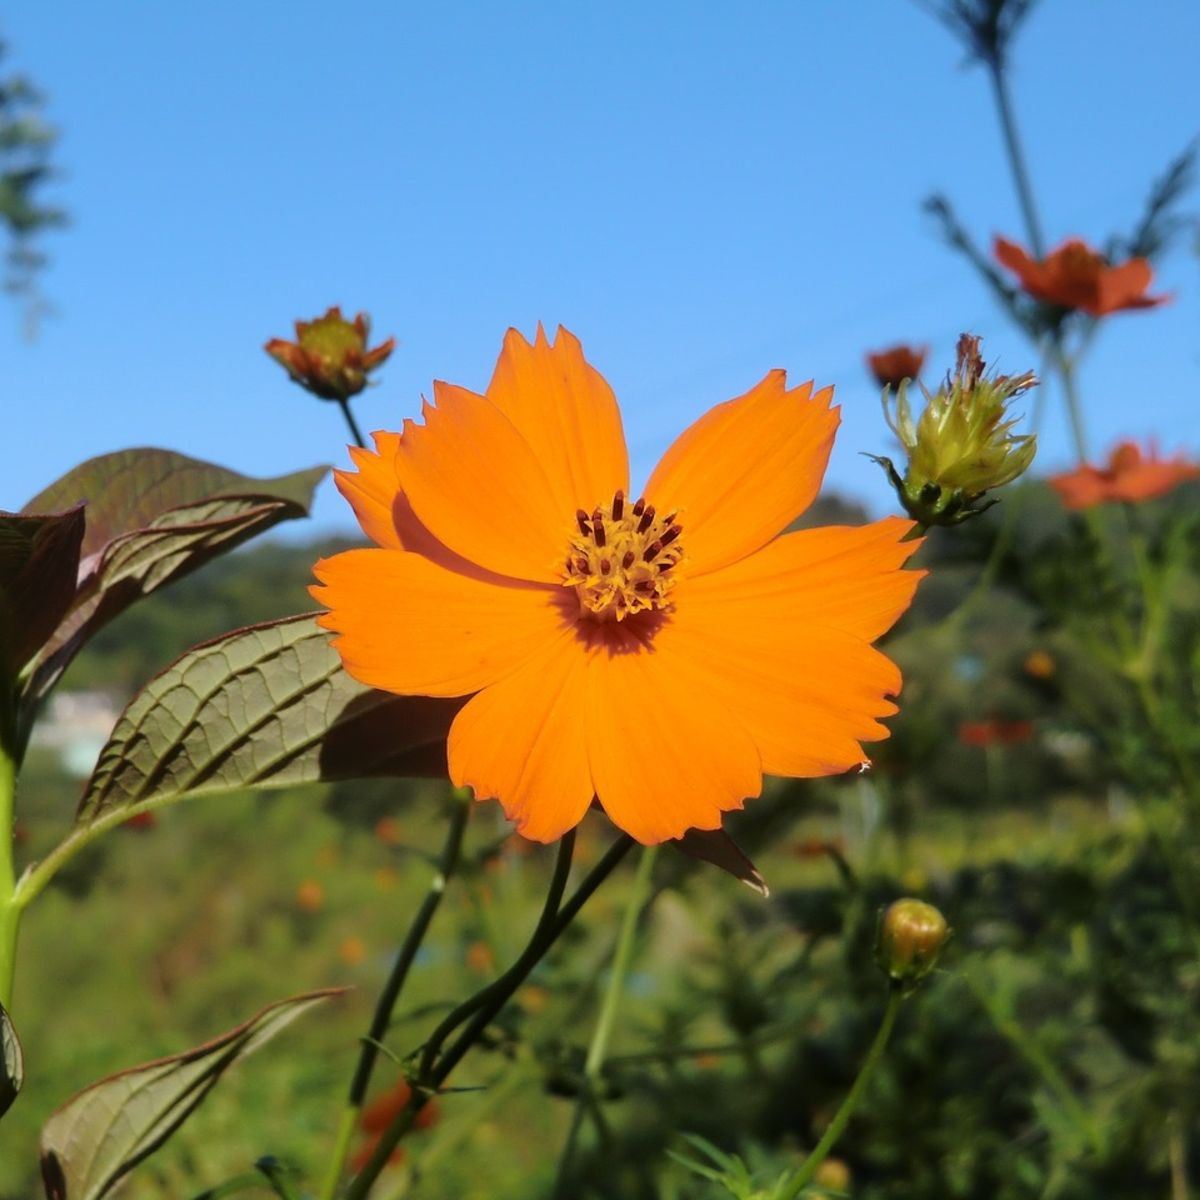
[785, 636]
[844, 577]
[373, 489]
[567, 412]
[523, 742]
[666, 755]
[408, 625]
[476, 484]
[1009, 254]
[745, 470]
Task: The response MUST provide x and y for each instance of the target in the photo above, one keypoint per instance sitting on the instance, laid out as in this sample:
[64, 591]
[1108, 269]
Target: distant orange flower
[995, 731]
[480, 957]
[329, 356]
[1131, 475]
[387, 830]
[310, 895]
[380, 1113]
[658, 654]
[1076, 276]
[352, 950]
[386, 878]
[1040, 664]
[896, 364]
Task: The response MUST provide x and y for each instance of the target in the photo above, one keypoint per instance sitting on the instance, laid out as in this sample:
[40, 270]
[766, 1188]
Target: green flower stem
[617, 979]
[10, 912]
[498, 995]
[355, 432]
[390, 994]
[841, 1119]
[1016, 156]
[1065, 366]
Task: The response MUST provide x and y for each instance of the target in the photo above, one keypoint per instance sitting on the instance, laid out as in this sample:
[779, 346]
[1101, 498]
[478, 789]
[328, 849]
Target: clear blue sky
[700, 191]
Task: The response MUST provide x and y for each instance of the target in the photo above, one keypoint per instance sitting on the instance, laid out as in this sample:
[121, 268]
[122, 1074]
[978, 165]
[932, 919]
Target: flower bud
[962, 446]
[330, 356]
[834, 1175]
[911, 936]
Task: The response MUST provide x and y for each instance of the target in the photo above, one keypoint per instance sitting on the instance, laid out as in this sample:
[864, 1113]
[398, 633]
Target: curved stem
[1016, 157]
[10, 912]
[598, 1049]
[425, 1086]
[499, 987]
[842, 1118]
[391, 993]
[355, 432]
[1066, 372]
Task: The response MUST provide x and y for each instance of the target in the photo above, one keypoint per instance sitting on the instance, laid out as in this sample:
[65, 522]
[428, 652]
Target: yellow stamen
[622, 560]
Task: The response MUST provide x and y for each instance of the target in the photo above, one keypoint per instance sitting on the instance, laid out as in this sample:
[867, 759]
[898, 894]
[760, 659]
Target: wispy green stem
[1016, 156]
[10, 913]
[841, 1119]
[390, 994]
[598, 1049]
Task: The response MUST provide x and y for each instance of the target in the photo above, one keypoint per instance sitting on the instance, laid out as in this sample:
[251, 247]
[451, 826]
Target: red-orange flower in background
[1131, 475]
[995, 731]
[1076, 276]
[658, 654]
[893, 366]
[380, 1113]
[329, 356]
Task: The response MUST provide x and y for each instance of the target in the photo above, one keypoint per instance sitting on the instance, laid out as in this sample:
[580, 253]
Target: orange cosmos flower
[893, 366]
[329, 356]
[996, 731]
[659, 654]
[1076, 276]
[1130, 475]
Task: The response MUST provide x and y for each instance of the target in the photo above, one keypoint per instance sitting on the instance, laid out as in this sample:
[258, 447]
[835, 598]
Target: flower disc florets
[622, 560]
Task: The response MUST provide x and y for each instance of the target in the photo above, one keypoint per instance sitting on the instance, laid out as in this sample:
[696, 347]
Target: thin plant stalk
[841, 1119]
[424, 1087]
[390, 994]
[355, 432]
[1016, 155]
[10, 912]
[598, 1049]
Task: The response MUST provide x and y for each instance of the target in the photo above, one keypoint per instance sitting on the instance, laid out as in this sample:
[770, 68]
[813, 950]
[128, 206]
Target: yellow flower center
[622, 560]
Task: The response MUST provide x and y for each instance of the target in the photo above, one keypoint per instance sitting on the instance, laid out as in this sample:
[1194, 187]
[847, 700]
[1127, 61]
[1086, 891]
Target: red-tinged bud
[329, 356]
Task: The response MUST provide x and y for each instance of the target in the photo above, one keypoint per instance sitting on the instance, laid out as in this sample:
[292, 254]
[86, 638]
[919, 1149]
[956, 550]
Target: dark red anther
[581, 565]
[671, 534]
[618, 506]
[598, 527]
[647, 519]
[582, 518]
[605, 566]
[627, 561]
[638, 507]
[651, 550]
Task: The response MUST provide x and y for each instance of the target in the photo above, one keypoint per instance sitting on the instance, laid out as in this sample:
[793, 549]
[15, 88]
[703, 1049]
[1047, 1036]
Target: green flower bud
[962, 446]
[910, 939]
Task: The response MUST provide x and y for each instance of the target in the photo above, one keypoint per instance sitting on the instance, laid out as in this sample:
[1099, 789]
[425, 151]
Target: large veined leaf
[151, 517]
[101, 1134]
[39, 563]
[12, 1065]
[265, 706]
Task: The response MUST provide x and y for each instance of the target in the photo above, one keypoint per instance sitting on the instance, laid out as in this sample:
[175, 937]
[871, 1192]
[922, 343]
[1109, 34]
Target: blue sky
[700, 191]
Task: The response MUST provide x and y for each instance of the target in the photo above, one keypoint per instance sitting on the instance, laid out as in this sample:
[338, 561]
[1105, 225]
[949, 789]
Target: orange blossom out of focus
[660, 654]
[1074, 276]
[893, 366]
[1131, 475]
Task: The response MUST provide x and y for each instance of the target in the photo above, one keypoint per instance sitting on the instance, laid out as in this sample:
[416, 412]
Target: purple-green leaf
[102, 1133]
[12, 1064]
[265, 706]
[152, 516]
[717, 847]
[39, 563]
